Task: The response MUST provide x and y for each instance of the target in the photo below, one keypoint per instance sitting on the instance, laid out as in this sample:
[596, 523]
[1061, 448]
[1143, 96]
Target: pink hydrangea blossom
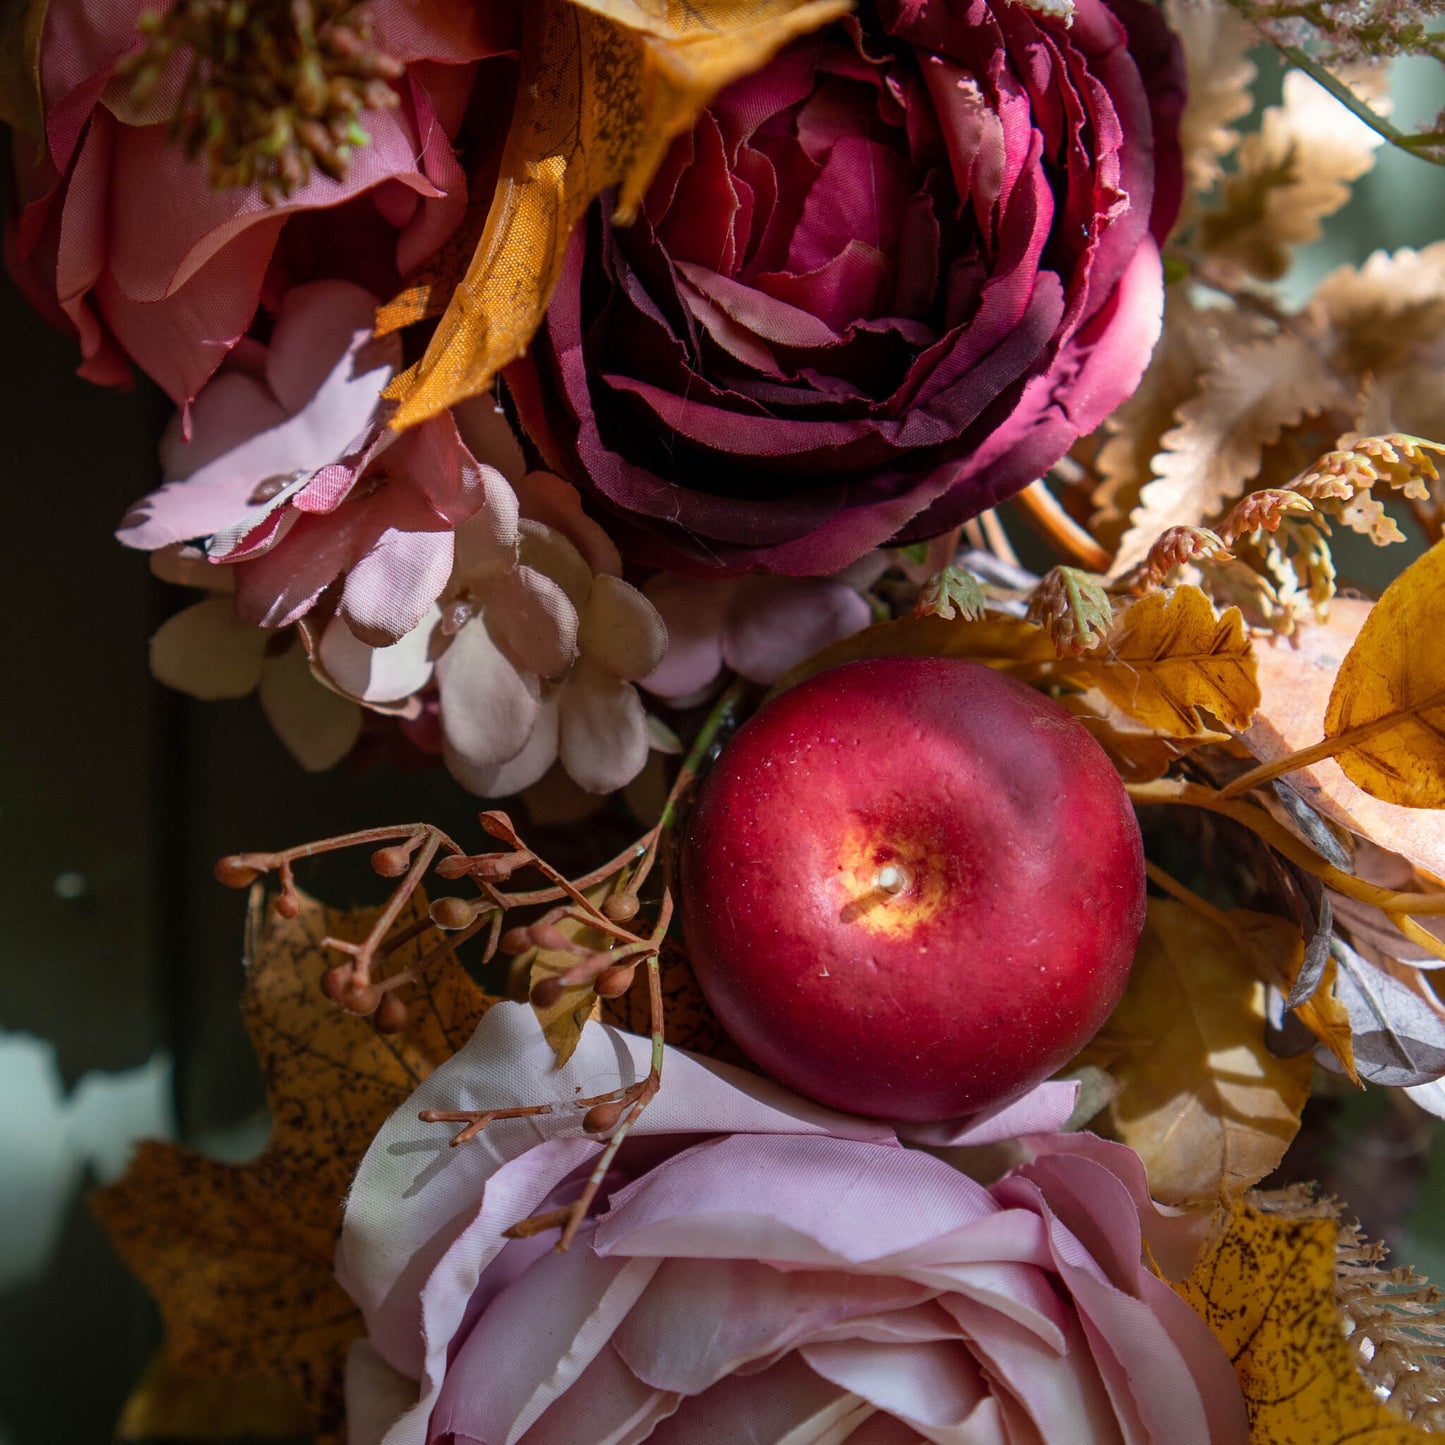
[760, 1269]
[120, 238]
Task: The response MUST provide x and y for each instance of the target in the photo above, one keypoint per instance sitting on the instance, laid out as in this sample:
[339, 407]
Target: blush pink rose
[759, 1269]
[120, 239]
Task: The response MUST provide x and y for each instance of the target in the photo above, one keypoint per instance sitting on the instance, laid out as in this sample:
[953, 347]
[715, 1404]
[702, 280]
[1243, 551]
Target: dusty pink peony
[760, 1270]
[120, 238]
[292, 480]
[886, 282]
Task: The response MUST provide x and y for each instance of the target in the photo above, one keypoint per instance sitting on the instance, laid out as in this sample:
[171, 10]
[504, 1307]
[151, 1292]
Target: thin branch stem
[1045, 513]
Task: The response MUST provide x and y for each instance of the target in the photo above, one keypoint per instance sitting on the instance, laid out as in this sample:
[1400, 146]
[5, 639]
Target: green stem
[1409, 142]
[712, 724]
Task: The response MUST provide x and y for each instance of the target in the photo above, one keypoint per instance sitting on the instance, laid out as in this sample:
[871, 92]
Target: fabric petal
[774, 623]
[488, 708]
[603, 742]
[531, 619]
[208, 652]
[379, 674]
[620, 630]
[318, 727]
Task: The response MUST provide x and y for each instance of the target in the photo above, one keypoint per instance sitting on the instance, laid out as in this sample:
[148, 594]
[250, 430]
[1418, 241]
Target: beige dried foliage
[1245, 401]
[1292, 172]
[1192, 340]
[1217, 42]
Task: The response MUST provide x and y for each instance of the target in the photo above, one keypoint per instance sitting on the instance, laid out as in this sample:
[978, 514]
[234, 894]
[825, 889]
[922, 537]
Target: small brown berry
[335, 982]
[363, 1000]
[390, 1015]
[498, 824]
[621, 907]
[602, 1117]
[456, 866]
[548, 935]
[391, 862]
[547, 992]
[516, 940]
[232, 872]
[288, 905]
[615, 981]
[452, 913]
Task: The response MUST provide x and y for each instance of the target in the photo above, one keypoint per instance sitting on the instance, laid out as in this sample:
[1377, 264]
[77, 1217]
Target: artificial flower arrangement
[630, 396]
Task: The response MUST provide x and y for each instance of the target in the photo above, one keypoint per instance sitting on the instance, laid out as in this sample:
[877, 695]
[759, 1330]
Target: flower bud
[453, 913]
[391, 862]
[390, 1016]
[602, 1117]
[620, 907]
[234, 872]
[615, 981]
[547, 992]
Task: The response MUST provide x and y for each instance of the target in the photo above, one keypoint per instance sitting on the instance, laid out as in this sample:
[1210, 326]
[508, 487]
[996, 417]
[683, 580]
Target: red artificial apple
[912, 887]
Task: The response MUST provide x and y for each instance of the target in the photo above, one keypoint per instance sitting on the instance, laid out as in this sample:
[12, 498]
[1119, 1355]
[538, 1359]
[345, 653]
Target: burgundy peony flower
[886, 282]
[121, 239]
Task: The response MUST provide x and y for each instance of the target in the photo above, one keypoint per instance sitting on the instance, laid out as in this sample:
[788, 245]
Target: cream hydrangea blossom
[534, 648]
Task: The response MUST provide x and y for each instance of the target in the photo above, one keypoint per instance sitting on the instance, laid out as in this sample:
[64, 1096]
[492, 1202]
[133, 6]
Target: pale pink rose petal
[1043, 1110]
[795, 1201]
[701, 1320]
[507, 1373]
[488, 707]
[318, 727]
[608, 1405]
[620, 630]
[503, 780]
[533, 622]
[774, 623]
[487, 541]
[207, 652]
[378, 674]
[603, 742]
[934, 1385]
[693, 613]
[786, 1404]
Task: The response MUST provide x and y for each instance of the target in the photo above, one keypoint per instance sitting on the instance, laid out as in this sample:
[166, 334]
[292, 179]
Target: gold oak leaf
[238, 1256]
[1169, 656]
[21, 103]
[1388, 701]
[1295, 679]
[1243, 403]
[605, 86]
[1292, 172]
[1200, 1097]
[1266, 1288]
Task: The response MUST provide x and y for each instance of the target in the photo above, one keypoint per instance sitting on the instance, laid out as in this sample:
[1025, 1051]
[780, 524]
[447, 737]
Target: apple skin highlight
[912, 887]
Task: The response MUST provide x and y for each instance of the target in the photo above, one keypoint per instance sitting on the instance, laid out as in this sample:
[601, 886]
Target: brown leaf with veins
[1201, 1099]
[605, 86]
[1216, 42]
[238, 1256]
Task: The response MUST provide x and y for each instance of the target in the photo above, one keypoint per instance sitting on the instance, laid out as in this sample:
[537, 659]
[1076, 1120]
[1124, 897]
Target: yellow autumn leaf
[21, 104]
[1387, 707]
[605, 87]
[1266, 1288]
[1201, 1099]
[239, 1256]
[1169, 656]
[562, 1022]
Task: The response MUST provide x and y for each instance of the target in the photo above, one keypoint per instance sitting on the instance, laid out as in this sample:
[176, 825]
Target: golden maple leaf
[239, 1256]
[605, 86]
[1266, 1288]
